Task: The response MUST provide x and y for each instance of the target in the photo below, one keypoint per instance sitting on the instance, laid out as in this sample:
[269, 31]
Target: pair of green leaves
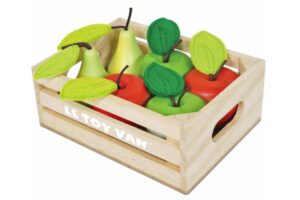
[162, 34]
[162, 81]
[65, 59]
[208, 53]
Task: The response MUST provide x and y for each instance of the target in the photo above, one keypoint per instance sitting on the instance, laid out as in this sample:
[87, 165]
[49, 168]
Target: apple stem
[182, 94]
[173, 101]
[120, 75]
[166, 59]
[79, 44]
[215, 76]
[127, 22]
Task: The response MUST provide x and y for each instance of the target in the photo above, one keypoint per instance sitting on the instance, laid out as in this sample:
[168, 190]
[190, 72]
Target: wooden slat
[126, 109]
[112, 148]
[119, 130]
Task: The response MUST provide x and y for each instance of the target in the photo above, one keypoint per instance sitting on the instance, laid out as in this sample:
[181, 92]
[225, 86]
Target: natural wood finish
[112, 148]
[156, 145]
[125, 109]
[189, 153]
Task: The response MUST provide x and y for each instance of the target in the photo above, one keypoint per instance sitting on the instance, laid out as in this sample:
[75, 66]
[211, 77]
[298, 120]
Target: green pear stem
[173, 101]
[120, 75]
[166, 59]
[182, 94]
[215, 76]
[127, 22]
[79, 44]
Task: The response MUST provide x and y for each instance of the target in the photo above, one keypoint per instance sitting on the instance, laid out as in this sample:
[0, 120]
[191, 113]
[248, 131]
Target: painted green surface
[178, 62]
[163, 105]
[127, 53]
[91, 65]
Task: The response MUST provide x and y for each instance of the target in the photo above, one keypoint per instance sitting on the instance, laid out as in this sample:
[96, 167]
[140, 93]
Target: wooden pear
[127, 53]
[91, 65]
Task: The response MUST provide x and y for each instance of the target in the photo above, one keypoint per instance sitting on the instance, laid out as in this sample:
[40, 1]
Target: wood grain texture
[190, 152]
[155, 145]
[112, 148]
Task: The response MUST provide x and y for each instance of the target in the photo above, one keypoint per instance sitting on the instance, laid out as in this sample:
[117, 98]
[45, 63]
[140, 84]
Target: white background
[38, 164]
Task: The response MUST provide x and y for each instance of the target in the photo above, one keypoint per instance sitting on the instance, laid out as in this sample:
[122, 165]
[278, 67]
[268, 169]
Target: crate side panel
[247, 88]
[212, 153]
[119, 130]
[112, 148]
[204, 154]
[138, 114]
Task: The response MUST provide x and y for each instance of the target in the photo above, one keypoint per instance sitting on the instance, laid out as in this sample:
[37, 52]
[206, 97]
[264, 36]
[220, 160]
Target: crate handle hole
[227, 121]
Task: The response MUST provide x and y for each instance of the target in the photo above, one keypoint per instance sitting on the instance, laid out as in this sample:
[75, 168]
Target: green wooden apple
[178, 62]
[163, 37]
[163, 105]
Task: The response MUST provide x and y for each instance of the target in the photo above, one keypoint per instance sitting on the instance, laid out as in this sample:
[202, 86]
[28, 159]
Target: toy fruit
[127, 52]
[163, 37]
[168, 86]
[206, 89]
[186, 102]
[91, 65]
[130, 88]
[210, 77]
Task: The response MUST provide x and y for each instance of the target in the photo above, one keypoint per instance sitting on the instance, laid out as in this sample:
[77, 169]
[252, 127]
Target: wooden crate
[189, 151]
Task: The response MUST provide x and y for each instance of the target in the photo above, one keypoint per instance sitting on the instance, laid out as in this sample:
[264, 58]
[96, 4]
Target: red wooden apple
[208, 89]
[131, 88]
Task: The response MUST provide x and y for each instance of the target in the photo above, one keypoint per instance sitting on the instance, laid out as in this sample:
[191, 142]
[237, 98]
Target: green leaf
[208, 52]
[86, 34]
[162, 34]
[163, 81]
[58, 63]
[87, 88]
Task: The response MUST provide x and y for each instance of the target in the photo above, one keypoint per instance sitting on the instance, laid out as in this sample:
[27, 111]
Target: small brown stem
[171, 50]
[182, 94]
[215, 76]
[80, 44]
[173, 101]
[120, 75]
[127, 22]
[164, 58]
[219, 70]
[116, 27]
[128, 19]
